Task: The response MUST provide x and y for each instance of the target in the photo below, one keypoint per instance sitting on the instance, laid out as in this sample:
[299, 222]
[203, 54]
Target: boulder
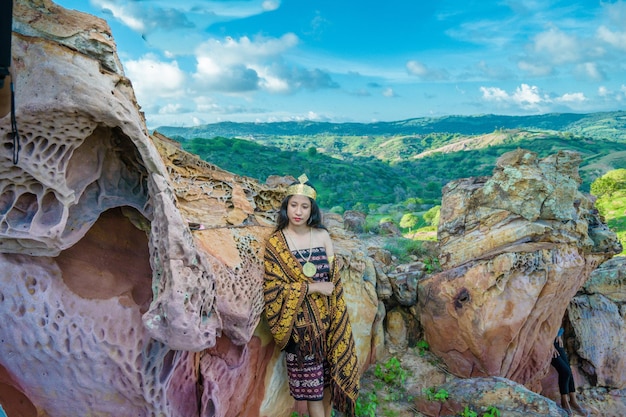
[515, 249]
[596, 315]
[354, 221]
[483, 395]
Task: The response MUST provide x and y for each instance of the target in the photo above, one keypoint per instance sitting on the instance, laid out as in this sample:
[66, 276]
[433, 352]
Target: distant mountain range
[366, 165]
[606, 125]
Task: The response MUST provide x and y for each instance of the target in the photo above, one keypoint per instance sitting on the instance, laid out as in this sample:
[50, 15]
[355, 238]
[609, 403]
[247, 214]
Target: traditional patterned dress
[314, 330]
[308, 373]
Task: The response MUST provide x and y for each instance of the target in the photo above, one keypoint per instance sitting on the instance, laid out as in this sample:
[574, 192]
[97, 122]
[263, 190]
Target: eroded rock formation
[112, 303]
[515, 249]
[597, 316]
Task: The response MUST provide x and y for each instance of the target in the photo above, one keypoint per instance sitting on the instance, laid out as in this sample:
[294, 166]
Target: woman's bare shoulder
[321, 234]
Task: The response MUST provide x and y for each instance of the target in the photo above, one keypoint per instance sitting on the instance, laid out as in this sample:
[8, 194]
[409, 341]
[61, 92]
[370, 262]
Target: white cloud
[530, 98]
[242, 65]
[617, 95]
[421, 70]
[123, 13]
[197, 121]
[526, 95]
[571, 98]
[613, 38]
[388, 92]
[557, 47]
[311, 115]
[172, 108]
[589, 70]
[246, 65]
[206, 105]
[416, 68]
[164, 15]
[153, 78]
[270, 5]
[494, 94]
[615, 12]
[535, 69]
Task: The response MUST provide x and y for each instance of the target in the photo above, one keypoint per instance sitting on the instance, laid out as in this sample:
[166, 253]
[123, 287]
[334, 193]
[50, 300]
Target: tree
[432, 216]
[609, 183]
[409, 221]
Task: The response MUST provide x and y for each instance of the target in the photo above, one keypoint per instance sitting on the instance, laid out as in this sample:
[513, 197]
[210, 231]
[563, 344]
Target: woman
[566, 379]
[305, 308]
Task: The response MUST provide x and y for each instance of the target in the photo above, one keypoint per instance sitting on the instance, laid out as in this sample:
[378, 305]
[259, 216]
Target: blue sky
[203, 61]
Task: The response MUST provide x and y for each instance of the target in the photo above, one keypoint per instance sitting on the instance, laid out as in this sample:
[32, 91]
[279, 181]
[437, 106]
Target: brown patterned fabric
[319, 324]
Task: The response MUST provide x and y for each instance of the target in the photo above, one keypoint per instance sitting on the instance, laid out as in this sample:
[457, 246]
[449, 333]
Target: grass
[612, 206]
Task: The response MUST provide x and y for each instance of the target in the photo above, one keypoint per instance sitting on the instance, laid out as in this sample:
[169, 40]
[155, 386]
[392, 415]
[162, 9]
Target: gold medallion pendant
[309, 269]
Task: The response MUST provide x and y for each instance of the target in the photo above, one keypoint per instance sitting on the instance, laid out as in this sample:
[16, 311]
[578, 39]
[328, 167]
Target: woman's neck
[298, 230]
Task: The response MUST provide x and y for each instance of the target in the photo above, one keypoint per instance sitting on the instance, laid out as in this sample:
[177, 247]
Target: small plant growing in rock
[467, 412]
[391, 372]
[492, 412]
[431, 264]
[366, 407]
[422, 347]
[441, 395]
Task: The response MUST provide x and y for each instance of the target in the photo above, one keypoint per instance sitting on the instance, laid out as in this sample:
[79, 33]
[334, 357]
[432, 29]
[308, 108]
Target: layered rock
[597, 316]
[515, 249]
[482, 395]
[110, 303]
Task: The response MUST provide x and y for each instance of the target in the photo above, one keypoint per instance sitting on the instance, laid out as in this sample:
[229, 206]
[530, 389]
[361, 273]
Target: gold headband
[302, 188]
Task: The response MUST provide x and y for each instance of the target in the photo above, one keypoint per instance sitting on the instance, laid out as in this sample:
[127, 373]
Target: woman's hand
[324, 288]
[559, 341]
[555, 353]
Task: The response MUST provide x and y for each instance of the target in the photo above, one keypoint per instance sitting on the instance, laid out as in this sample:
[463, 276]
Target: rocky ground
[398, 383]
[391, 387]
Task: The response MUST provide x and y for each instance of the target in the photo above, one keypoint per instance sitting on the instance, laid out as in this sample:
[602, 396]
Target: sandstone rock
[478, 394]
[389, 229]
[515, 249]
[382, 256]
[396, 335]
[402, 330]
[384, 290]
[378, 335]
[354, 221]
[404, 282]
[597, 319]
[609, 280]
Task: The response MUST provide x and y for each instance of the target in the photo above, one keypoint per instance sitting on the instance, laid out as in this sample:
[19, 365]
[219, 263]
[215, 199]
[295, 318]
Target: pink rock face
[596, 315]
[501, 316]
[515, 249]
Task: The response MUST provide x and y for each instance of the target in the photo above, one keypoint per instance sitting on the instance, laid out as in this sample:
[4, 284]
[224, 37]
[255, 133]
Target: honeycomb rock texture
[109, 303]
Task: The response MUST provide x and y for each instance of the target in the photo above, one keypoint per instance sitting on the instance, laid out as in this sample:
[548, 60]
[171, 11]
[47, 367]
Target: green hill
[367, 165]
[390, 170]
[606, 125]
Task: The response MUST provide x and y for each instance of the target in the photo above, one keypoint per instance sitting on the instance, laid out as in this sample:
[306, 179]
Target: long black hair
[315, 220]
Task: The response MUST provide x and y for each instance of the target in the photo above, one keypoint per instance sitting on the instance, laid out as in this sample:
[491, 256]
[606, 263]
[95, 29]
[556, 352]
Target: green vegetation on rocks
[611, 203]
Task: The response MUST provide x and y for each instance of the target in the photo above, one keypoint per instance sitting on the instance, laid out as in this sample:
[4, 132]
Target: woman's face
[299, 210]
